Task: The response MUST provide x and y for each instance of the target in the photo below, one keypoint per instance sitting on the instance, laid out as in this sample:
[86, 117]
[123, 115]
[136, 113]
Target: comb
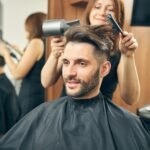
[114, 23]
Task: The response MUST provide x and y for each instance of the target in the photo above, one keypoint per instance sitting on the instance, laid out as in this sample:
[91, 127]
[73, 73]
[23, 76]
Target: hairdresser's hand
[57, 46]
[3, 50]
[128, 44]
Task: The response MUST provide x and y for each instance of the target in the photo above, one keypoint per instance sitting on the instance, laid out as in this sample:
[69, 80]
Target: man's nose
[71, 70]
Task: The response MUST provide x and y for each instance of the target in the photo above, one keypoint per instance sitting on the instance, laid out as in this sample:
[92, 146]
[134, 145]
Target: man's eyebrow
[77, 60]
[82, 59]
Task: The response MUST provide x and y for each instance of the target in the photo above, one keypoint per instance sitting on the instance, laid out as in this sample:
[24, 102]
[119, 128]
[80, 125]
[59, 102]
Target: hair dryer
[57, 26]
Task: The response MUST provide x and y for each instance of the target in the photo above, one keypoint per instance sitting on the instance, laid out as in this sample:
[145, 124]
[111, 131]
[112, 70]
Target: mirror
[12, 17]
[13, 14]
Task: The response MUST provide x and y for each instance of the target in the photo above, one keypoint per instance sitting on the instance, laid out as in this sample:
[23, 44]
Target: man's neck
[90, 95]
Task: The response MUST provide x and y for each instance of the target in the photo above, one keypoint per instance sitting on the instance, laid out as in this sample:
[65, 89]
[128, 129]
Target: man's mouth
[72, 84]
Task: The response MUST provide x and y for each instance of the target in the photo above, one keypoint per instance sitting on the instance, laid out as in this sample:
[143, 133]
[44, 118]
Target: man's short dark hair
[102, 37]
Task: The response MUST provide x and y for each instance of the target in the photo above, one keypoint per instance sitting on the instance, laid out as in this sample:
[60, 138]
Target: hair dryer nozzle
[57, 26]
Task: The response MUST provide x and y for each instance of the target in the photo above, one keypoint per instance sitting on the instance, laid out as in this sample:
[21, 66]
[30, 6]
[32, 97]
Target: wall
[13, 16]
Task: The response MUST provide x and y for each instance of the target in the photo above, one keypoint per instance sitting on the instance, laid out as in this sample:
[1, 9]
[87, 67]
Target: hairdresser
[29, 67]
[123, 71]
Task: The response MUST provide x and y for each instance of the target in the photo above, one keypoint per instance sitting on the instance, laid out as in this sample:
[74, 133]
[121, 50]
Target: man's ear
[105, 68]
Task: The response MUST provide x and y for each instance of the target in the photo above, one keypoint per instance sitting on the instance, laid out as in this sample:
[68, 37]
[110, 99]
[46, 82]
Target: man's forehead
[76, 49]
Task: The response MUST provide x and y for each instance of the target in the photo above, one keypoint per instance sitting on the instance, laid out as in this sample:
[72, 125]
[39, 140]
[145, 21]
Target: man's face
[80, 70]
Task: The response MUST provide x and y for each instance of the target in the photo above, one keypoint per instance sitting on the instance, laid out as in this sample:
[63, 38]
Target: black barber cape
[70, 124]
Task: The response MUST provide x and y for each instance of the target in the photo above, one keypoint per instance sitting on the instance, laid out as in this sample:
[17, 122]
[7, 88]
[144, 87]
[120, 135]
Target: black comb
[114, 23]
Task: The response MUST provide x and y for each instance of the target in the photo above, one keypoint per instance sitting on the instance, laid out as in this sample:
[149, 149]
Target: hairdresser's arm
[53, 67]
[127, 72]
[33, 53]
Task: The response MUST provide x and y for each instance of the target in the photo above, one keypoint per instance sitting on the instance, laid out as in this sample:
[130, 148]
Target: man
[84, 119]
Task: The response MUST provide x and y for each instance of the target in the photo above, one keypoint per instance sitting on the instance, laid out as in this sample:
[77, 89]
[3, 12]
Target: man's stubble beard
[86, 88]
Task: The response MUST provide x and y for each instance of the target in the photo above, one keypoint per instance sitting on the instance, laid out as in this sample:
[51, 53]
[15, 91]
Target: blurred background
[13, 14]
[12, 17]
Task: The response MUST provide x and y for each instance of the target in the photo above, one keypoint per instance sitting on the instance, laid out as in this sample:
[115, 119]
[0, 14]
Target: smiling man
[82, 75]
[85, 60]
[84, 119]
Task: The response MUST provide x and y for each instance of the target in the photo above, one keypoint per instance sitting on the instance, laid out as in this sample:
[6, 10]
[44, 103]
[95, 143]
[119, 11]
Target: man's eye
[83, 64]
[65, 62]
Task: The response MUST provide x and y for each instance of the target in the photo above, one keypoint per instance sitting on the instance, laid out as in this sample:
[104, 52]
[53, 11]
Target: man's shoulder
[49, 106]
[55, 103]
[119, 111]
